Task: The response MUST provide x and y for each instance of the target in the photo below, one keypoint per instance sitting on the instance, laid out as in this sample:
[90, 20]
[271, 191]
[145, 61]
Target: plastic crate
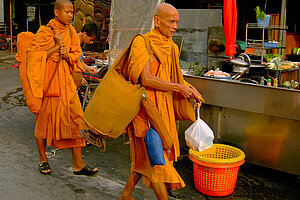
[264, 142]
[270, 44]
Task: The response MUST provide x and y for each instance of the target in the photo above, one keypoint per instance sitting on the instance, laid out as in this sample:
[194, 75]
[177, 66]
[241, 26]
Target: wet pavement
[20, 178]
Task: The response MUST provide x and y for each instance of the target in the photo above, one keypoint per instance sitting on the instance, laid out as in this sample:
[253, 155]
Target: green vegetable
[290, 84]
[295, 84]
[259, 13]
[271, 56]
[199, 69]
[286, 84]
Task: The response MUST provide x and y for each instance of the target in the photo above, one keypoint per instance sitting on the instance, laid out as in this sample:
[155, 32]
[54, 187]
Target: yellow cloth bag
[115, 102]
[24, 40]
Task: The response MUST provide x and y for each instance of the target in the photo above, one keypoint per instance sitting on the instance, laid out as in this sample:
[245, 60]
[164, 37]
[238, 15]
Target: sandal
[44, 166]
[87, 170]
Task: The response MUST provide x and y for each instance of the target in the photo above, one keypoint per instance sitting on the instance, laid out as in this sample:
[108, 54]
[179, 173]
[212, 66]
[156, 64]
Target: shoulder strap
[52, 29]
[147, 42]
[54, 32]
[120, 68]
[70, 32]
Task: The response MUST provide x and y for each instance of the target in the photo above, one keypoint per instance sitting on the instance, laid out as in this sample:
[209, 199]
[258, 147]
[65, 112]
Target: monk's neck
[157, 30]
[59, 23]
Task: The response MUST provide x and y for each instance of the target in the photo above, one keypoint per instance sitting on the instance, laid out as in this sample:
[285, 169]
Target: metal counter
[262, 121]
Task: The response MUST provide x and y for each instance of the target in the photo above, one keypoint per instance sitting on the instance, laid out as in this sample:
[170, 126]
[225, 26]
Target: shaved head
[63, 11]
[166, 18]
[164, 9]
[61, 3]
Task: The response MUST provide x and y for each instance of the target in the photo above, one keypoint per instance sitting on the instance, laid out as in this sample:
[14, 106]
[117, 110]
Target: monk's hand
[197, 96]
[58, 39]
[63, 52]
[191, 92]
[83, 81]
[91, 70]
[185, 91]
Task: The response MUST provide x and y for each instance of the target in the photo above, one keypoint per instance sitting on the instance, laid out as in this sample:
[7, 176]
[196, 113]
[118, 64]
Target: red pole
[11, 39]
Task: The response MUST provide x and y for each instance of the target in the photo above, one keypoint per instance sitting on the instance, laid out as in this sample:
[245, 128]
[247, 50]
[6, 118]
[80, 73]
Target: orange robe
[162, 63]
[61, 117]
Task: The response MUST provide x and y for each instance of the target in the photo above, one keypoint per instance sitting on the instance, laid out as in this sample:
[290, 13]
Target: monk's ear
[56, 12]
[156, 21]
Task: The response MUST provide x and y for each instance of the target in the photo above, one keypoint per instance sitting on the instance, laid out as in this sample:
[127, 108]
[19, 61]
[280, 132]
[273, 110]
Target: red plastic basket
[217, 179]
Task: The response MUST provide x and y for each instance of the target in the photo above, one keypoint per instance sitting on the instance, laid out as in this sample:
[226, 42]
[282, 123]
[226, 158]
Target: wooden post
[11, 39]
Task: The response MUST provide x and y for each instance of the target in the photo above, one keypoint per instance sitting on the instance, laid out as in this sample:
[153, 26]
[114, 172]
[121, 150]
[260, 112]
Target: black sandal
[87, 170]
[44, 166]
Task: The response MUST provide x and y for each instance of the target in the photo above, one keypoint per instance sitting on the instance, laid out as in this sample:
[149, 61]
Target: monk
[61, 118]
[154, 73]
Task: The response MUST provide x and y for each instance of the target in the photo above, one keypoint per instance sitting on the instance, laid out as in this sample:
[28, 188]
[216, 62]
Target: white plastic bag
[199, 136]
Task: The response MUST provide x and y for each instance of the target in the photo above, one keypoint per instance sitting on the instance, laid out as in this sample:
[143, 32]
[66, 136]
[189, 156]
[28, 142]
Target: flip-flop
[87, 170]
[44, 166]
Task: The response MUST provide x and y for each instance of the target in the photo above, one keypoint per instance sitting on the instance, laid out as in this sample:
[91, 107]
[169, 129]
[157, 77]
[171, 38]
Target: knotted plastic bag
[199, 136]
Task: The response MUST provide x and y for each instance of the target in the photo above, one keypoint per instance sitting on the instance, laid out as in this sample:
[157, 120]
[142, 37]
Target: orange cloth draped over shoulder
[61, 117]
[163, 60]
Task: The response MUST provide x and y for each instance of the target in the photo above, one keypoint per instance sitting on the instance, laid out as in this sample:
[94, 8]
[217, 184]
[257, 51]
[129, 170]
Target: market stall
[262, 120]
[252, 98]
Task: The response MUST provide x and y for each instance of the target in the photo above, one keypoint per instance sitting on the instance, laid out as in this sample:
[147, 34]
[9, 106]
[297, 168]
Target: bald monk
[61, 118]
[154, 73]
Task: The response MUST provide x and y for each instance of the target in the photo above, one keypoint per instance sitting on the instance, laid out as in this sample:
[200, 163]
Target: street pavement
[21, 179]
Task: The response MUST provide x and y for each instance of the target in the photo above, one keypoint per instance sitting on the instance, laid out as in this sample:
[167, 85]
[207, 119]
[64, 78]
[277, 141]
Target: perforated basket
[216, 169]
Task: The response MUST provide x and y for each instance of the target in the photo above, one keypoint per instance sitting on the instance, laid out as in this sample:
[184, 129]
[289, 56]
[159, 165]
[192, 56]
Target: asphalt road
[20, 178]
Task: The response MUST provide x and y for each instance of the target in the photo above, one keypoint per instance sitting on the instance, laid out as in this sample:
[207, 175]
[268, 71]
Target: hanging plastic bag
[199, 136]
[154, 148]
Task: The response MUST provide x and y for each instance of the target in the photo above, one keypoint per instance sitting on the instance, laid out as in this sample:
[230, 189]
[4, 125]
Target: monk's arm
[148, 80]
[52, 50]
[58, 43]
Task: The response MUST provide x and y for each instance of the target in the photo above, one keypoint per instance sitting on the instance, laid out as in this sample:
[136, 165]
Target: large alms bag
[24, 41]
[116, 101]
[199, 136]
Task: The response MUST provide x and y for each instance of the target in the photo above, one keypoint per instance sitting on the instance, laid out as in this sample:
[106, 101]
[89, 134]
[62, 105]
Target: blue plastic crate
[270, 44]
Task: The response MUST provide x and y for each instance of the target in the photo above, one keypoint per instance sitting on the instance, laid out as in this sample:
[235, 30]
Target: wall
[193, 25]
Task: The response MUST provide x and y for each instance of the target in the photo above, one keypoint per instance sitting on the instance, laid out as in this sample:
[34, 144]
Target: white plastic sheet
[128, 18]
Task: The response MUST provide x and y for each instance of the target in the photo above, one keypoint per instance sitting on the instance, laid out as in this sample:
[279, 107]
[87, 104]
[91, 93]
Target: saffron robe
[61, 117]
[163, 60]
